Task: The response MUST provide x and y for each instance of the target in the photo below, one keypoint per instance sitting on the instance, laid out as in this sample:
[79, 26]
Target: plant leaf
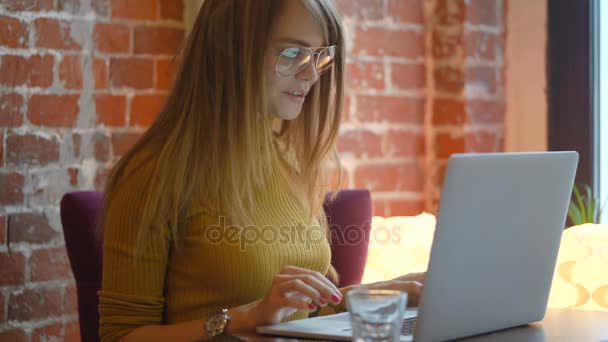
[575, 214]
[581, 205]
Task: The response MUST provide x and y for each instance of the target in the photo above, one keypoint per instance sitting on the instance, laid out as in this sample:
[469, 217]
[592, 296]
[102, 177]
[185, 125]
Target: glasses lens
[326, 58]
[292, 60]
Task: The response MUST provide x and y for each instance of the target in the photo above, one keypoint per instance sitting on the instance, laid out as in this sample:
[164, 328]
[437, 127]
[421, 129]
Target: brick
[134, 9]
[30, 149]
[101, 176]
[11, 188]
[482, 45]
[12, 271]
[11, 110]
[378, 207]
[55, 34]
[346, 107]
[408, 76]
[365, 75]
[406, 11]
[398, 144]
[1, 148]
[446, 145]
[482, 12]
[360, 143]
[102, 146]
[333, 179]
[112, 38]
[51, 332]
[53, 110]
[122, 142]
[446, 45]
[101, 7]
[145, 109]
[448, 112]
[71, 299]
[73, 174]
[404, 207]
[111, 109]
[70, 72]
[27, 5]
[13, 335]
[31, 228]
[172, 9]
[14, 33]
[390, 109]
[486, 111]
[33, 71]
[362, 9]
[390, 177]
[100, 73]
[32, 304]
[450, 12]
[482, 77]
[49, 264]
[449, 79]
[2, 239]
[166, 69]
[132, 72]
[378, 42]
[2, 309]
[441, 168]
[157, 40]
[76, 143]
[483, 141]
[71, 332]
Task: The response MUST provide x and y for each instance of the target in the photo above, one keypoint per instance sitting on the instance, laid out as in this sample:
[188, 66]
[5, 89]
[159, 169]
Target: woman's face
[294, 28]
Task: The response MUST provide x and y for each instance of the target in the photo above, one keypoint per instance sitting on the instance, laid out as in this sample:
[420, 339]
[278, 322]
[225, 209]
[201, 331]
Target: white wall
[526, 107]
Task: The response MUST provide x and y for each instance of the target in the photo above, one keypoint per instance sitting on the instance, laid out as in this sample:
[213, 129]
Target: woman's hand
[411, 283]
[293, 289]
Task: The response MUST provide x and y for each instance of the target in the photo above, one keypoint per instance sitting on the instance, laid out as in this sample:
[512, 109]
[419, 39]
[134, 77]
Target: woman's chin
[289, 114]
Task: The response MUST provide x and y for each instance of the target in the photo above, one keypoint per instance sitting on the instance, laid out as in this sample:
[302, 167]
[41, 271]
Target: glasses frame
[312, 53]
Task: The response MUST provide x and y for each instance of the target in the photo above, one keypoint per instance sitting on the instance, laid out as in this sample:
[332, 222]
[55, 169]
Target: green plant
[584, 208]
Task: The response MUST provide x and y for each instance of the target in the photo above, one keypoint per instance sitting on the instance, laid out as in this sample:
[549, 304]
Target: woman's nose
[310, 72]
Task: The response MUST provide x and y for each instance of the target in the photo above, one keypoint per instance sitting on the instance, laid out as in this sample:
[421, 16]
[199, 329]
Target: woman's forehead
[296, 25]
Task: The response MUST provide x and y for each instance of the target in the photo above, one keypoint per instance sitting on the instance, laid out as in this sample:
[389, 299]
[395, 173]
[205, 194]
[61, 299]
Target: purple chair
[349, 216]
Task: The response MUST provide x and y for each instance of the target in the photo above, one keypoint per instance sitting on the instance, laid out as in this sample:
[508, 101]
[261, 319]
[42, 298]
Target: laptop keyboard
[408, 326]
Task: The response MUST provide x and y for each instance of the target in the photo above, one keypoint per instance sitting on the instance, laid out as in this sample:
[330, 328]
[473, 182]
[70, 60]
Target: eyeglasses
[294, 60]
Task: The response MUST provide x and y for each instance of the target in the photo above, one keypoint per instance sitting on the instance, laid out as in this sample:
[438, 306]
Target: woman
[211, 221]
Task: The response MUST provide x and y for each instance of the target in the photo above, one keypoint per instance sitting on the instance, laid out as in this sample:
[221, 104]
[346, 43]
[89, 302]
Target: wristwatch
[216, 324]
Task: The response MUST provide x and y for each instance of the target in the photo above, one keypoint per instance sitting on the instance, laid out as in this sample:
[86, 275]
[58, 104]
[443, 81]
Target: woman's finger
[327, 293]
[294, 270]
[301, 287]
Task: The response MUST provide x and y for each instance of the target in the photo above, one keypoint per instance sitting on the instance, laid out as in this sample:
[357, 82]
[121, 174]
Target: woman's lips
[296, 98]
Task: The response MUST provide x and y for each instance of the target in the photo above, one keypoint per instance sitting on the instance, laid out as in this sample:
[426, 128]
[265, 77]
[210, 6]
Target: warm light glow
[581, 274]
[400, 245]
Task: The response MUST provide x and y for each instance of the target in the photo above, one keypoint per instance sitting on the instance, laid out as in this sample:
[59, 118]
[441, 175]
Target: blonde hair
[211, 140]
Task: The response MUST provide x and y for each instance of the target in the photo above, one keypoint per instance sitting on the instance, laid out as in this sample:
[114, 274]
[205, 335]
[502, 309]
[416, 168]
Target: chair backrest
[83, 242]
[349, 215]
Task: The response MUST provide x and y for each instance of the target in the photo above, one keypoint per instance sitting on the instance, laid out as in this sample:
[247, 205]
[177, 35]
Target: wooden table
[558, 325]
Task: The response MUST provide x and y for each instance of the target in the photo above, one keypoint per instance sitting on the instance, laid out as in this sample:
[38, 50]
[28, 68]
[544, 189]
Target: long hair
[211, 140]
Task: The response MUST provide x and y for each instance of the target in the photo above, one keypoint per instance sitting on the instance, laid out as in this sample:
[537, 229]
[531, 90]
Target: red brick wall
[79, 80]
[425, 80]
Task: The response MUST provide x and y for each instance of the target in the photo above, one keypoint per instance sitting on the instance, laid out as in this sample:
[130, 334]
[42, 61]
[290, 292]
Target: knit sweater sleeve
[133, 283]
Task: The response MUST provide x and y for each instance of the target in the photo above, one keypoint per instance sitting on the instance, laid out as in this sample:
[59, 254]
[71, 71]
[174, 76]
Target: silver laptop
[499, 227]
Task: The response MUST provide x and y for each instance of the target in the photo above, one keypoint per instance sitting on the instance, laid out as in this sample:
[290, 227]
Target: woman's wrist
[242, 319]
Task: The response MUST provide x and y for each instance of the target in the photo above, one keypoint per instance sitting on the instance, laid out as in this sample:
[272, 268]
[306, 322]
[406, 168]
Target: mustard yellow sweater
[213, 268]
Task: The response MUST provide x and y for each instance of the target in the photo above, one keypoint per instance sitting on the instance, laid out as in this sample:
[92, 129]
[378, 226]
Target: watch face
[215, 324]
